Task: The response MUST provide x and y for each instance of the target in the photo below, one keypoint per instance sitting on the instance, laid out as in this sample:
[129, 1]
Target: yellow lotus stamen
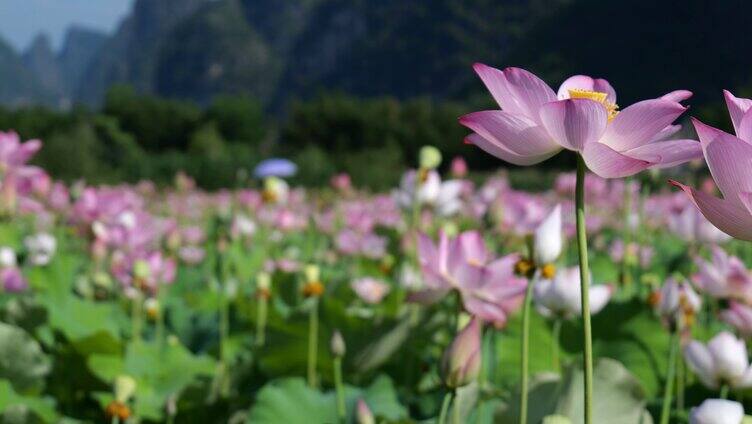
[313, 289]
[597, 96]
[548, 271]
[524, 267]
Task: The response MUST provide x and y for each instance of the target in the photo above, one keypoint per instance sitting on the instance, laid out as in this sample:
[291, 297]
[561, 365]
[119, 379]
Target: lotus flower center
[597, 96]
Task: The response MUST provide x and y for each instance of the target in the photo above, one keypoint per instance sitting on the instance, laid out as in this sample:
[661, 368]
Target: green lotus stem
[556, 336]
[340, 388]
[160, 324]
[136, 319]
[313, 330]
[456, 410]
[525, 348]
[585, 289]
[724, 391]
[445, 407]
[261, 311]
[679, 380]
[627, 236]
[224, 325]
[668, 389]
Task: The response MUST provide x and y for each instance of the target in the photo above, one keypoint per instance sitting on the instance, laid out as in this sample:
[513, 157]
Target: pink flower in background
[739, 316]
[458, 167]
[724, 277]
[535, 123]
[341, 182]
[370, 290]
[730, 161]
[12, 280]
[490, 289]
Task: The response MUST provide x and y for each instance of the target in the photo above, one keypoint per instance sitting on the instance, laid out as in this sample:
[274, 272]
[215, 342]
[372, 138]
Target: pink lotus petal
[496, 83]
[608, 163]
[503, 153]
[639, 123]
[666, 133]
[737, 107]
[729, 217]
[677, 95]
[528, 91]
[516, 133]
[584, 82]
[669, 153]
[730, 163]
[746, 198]
[573, 123]
[744, 131]
[708, 134]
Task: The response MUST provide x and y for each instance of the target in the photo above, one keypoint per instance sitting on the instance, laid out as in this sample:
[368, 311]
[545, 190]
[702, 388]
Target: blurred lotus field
[272, 303]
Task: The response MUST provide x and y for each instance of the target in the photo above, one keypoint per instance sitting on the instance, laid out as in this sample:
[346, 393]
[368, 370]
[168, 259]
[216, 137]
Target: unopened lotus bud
[312, 273]
[430, 157]
[363, 413]
[461, 362]
[548, 241]
[338, 344]
[102, 280]
[125, 388]
[151, 305]
[263, 284]
[141, 270]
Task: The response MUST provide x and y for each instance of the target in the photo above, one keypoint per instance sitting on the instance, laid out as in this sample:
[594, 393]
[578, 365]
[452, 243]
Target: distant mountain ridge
[279, 51]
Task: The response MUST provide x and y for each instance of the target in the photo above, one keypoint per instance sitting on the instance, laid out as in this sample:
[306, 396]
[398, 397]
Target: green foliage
[291, 401]
[22, 361]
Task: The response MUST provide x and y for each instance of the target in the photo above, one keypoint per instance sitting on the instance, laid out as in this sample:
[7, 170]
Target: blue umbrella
[275, 167]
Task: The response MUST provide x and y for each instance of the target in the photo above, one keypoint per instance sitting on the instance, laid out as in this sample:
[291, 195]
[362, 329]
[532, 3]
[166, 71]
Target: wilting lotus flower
[561, 297]
[461, 363]
[739, 316]
[41, 248]
[535, 123]
[717, 411]
[730, 161]
[547, 242]
[724, 277]
[723, 361]
[275, 167]
[370, 290]
[490, 288]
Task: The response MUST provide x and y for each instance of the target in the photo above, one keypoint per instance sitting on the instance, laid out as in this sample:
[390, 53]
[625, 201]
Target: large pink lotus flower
[730, 161]
[489, 287]
[535, 123]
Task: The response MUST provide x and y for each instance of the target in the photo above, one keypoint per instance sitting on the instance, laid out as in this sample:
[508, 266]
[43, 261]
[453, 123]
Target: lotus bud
[125, 387]
[430, 157]
[337, 344]
[458, 167]
[263, 284]
[151, 305]
[461, 362]
[363, 413]
[548, 241]
[141, 269]
[312, 273]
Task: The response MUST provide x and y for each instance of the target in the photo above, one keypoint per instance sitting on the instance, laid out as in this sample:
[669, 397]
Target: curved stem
[525, 348]
[585, 289]
[555, 342]
[668, 389]
[340, 388]
[445, 408]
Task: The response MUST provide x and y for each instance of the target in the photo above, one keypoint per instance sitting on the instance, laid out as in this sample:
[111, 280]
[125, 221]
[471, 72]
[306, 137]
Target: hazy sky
[22, 20]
